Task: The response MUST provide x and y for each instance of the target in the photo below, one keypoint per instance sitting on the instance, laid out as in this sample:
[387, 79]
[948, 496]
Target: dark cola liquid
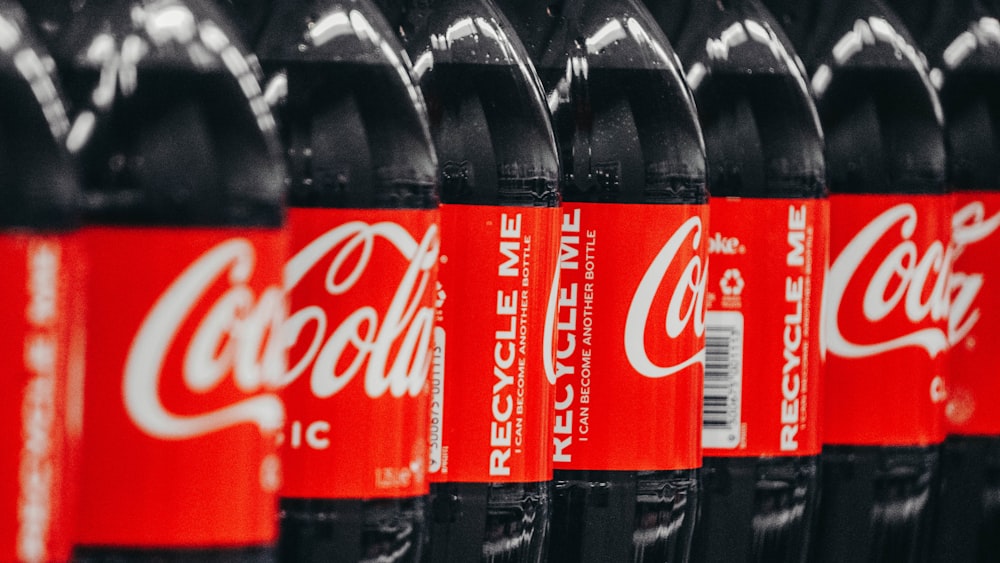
[494, 149]
[489, 522]
[353, 139]
[760, 136]
[756, 509]
[493, 143]
[761, 142]
[623, 515]
[877, 504]
[39, 188]
[881, 134]
[971, 102]
[314, 530]
[627, 136]
[256, 554]
[176, 151]
[968, 516]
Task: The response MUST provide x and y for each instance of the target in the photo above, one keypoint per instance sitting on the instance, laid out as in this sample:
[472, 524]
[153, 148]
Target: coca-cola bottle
[361, 279]
[40, 341]
[886, 305]
[633, 261]
[962, 42]
[183, 215]
[762, 374]
[491, 405]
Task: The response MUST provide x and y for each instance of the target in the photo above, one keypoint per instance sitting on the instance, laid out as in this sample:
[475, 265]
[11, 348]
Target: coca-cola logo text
[900, 282]
[969, 226]
[686, 302]
[393, 347]
[238, 336]
[719, 244]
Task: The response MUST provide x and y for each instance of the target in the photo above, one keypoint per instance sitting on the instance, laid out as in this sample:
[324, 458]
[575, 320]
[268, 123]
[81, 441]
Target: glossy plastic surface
[628, 133]
[355, 132]
[39, 186]
[962, 42]
[763, 140]
[495, 147]
[164, 143]
[884, 134]
[168, 128]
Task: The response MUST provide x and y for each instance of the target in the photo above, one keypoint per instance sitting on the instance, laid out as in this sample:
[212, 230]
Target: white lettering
[690, 287]
[406, 326]
[900, 268]
[969, 226]
[204, 367]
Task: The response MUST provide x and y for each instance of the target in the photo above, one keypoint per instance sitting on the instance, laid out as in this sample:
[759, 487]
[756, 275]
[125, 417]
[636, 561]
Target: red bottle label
[630, 352]
[41, 406]
[361, 288]
[181, 415]
[765, 297]
[886, 320]
[491, 405]
[973, 324]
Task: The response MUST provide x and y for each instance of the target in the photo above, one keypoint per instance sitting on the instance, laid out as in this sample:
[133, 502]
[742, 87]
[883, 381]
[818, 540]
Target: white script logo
[969, 225]
[239, 335]
[902, 268]
[690, 288]
[362, 333]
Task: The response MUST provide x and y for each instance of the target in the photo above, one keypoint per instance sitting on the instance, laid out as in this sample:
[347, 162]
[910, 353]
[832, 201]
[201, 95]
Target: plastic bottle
[40, 310]
[184, 208]
[962, 42]
[361, 277]
[492, 396]
[633, 266]
[769, 252]
[886, 308]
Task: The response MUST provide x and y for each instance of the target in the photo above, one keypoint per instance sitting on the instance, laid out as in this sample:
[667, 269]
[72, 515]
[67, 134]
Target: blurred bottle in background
[361, 279]
[40, 311]
[886, 304]
[769, 252]
[962, 42]
[492, 402]
[183, 211]
[633, 262]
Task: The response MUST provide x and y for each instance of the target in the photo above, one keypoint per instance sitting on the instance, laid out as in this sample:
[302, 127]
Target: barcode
[723, 379]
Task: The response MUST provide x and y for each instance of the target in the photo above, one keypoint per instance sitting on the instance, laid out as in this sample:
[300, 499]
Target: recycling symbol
[732, 282]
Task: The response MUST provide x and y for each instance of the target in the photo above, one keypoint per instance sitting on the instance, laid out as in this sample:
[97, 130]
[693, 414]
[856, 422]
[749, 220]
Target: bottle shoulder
[39, 185]
[170, 125]
[762, 130]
